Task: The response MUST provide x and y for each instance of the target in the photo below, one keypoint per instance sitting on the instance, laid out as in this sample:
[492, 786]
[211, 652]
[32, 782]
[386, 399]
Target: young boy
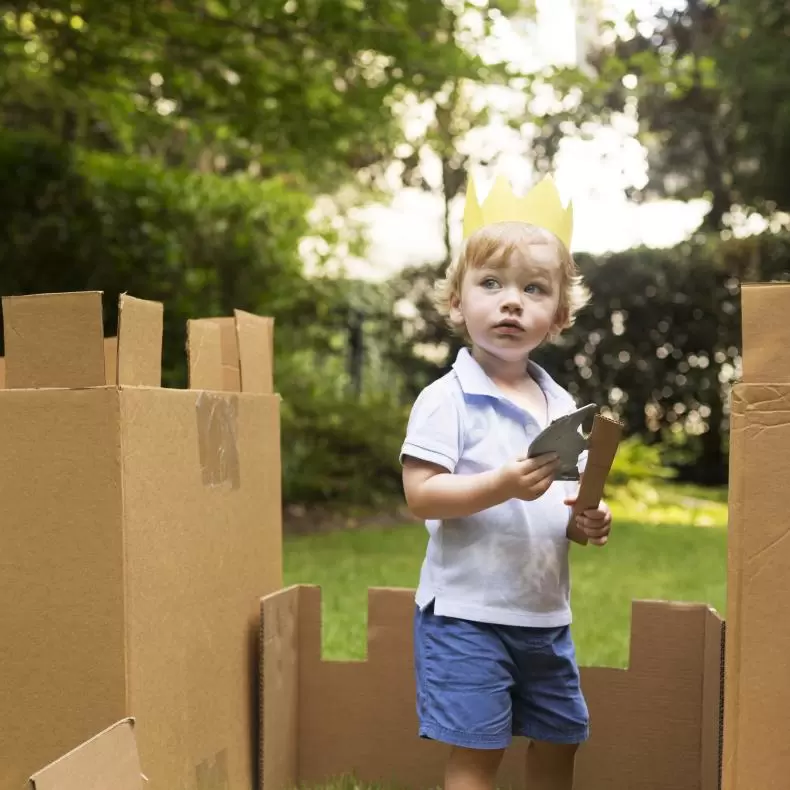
[494, 656]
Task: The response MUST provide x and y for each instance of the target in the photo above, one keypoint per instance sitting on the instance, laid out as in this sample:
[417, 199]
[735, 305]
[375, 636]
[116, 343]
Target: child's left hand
[595, 523]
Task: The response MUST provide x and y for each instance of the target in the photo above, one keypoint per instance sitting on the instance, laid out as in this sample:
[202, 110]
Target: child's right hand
[529, 478]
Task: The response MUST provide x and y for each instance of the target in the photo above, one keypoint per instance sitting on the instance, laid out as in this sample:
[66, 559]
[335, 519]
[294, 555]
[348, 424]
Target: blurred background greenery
[216, 157]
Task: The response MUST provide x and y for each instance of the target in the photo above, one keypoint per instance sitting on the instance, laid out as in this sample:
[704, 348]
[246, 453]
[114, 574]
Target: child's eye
[489, 282]
[537, 288]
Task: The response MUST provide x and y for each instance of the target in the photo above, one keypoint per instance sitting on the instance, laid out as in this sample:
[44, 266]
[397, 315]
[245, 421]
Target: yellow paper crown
[541, 206]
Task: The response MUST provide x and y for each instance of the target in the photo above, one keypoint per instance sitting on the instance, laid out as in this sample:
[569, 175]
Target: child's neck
[508, 374]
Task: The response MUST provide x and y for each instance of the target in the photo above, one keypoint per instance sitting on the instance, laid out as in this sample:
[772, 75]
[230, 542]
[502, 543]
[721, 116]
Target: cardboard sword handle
[604, 441]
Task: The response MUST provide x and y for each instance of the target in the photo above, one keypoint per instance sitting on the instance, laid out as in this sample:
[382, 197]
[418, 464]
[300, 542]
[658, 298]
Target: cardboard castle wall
[757, 691]
[141, 527]
[655, 726]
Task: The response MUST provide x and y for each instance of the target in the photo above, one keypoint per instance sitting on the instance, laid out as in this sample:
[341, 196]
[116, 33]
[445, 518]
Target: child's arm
[434, 493]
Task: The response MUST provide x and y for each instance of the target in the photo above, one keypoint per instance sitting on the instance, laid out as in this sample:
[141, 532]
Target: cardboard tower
[141, 526]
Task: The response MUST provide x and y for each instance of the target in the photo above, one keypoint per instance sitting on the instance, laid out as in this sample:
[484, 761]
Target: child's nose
[511, 298]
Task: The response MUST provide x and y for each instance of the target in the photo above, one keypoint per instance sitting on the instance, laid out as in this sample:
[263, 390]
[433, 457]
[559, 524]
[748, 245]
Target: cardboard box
[756, 693]
[655, 726]
[108, 761]
[141, 527]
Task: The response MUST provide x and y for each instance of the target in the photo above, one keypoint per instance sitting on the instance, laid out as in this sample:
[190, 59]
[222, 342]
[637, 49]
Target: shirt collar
[474, 381]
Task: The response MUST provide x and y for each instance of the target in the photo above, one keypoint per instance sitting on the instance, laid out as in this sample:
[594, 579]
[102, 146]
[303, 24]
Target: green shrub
[337, 448]
[200, 243]
[636, 460]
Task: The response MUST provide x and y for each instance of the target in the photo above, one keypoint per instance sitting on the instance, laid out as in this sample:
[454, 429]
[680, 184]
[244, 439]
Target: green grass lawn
[667, 561]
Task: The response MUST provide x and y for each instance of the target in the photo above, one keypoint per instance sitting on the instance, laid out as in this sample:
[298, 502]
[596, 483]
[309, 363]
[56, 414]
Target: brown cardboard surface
[757, 698]
[604, 441]
[140, 325]
[129, 585]
[256, 351]
[61, 575]
[654, 725]
[53, 340]
[108, 761]
[194, 564]
[765, 347]
[229, 351]
[204, 355]
[2, 373]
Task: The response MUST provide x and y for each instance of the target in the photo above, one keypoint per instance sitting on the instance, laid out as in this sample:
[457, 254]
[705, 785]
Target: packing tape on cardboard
[217, 423]
[213, 774]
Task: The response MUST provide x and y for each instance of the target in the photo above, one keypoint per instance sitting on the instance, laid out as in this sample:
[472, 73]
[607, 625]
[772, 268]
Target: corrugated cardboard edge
[604, 441]
[140, 331]
[54, 341]
[108, 761]
[255, 338]
[732, 668]
[712, 668]
[280, 662]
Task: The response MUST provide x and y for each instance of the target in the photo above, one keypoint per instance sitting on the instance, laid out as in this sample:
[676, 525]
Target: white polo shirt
[507, 564]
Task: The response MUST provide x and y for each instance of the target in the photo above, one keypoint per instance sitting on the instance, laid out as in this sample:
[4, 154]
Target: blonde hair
[496, 242]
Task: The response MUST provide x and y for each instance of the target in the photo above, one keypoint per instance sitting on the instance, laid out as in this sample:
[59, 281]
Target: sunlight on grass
[668, 504]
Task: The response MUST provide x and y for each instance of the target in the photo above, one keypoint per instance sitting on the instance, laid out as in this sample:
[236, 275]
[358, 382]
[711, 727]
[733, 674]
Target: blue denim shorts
[480, 684]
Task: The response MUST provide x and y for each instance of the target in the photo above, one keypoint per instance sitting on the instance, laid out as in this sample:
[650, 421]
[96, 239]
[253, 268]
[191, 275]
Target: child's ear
[456, 314]
[561, 319]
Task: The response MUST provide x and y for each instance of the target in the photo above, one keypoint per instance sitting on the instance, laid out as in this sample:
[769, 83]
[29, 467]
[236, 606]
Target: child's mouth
[508, 327]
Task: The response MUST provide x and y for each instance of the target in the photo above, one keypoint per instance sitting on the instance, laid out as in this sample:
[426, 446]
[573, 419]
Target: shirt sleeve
[433, 433]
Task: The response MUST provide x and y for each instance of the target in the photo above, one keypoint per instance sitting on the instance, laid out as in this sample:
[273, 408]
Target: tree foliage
[707, 84]
[304, 86]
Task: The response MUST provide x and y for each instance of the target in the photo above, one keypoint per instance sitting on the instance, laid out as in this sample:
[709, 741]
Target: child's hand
[595, 523]
[529, 478]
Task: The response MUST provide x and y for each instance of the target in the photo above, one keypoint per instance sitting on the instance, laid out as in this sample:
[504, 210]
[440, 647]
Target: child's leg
[472, 769]
[464, 678]
[550, 765]
[549, 707]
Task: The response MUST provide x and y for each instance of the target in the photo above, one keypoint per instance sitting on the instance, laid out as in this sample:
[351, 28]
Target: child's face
[510, 305]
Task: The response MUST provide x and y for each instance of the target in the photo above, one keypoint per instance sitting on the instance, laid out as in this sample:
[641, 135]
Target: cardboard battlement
[55, 341]
[654, 725]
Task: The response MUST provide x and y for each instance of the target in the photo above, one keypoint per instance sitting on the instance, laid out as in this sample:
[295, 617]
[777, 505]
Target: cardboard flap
[109, 761]
[255, 336]
[140, 327]
[230, 378]
[765, 351]
[204, 354]
[54, 341]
